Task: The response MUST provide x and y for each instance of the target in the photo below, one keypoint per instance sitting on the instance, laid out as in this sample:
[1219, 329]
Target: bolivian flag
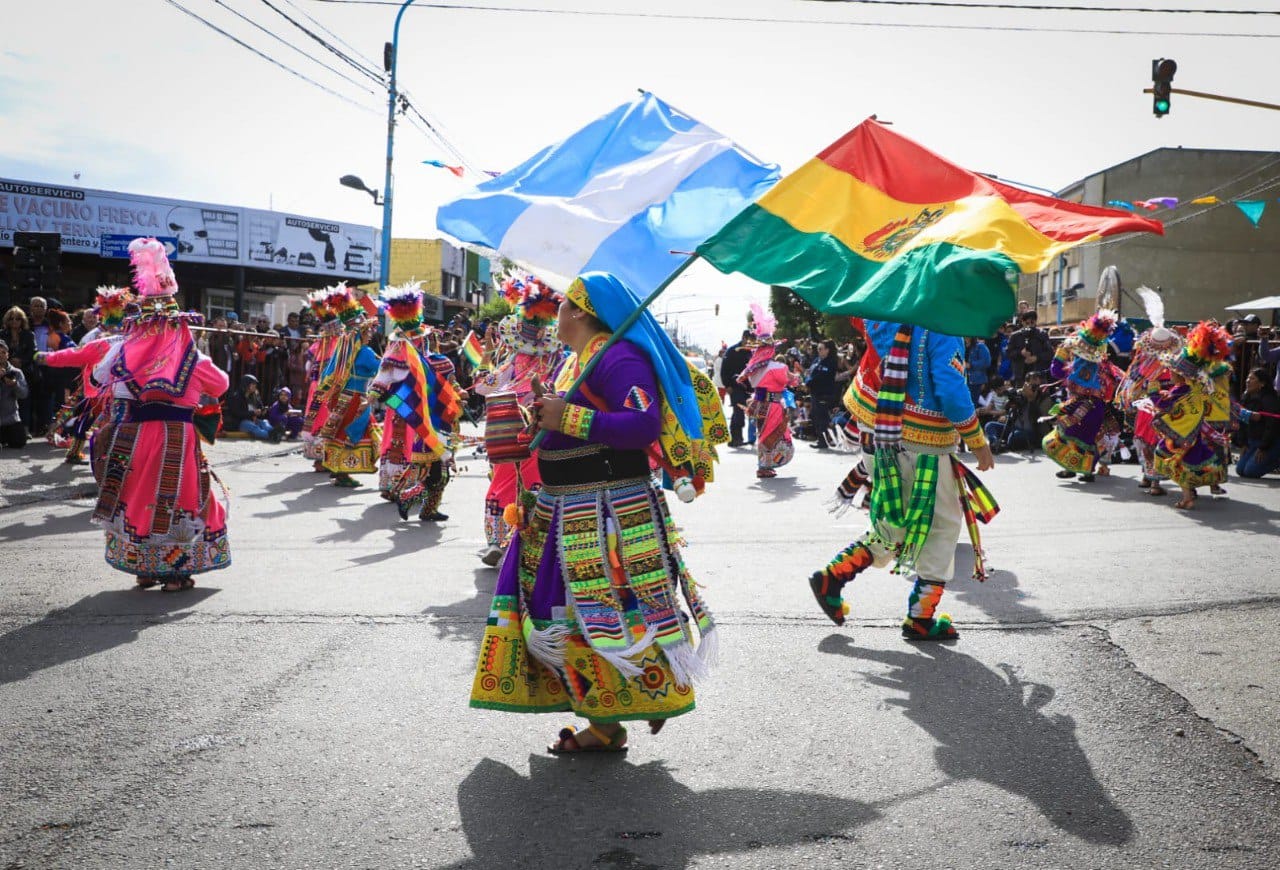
[880, 227]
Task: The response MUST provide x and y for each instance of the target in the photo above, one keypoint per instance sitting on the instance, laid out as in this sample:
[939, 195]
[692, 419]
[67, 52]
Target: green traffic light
[1162, 106]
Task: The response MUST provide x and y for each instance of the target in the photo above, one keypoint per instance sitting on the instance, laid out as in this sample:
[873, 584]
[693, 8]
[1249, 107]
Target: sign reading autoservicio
[200, 232]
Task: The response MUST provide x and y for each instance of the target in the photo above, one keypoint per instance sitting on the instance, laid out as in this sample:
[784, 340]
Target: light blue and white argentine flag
[617, 196]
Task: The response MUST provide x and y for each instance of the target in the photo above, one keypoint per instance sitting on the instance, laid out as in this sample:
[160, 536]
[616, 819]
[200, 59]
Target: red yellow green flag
[472, 350]
[880, 227]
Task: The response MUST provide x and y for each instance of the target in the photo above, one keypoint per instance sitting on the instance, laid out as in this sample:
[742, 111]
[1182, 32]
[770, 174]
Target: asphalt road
[1111, 703]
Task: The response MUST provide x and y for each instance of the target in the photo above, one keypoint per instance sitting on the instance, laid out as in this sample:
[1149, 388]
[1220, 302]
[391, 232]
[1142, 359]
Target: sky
[140, 97]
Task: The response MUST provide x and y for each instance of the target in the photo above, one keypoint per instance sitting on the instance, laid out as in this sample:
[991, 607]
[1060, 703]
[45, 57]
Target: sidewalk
[36, 473]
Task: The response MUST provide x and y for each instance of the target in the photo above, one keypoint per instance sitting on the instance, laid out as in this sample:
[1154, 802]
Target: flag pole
[617, 334]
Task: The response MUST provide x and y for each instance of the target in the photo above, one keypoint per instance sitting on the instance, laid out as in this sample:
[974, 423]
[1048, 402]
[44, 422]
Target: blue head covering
[613, 302]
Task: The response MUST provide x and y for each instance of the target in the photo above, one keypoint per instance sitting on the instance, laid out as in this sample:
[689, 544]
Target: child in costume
[769, 379]
[527, 347]
[423, 404]
[594, 610]
[164, 522]
[81, 414]
[349, 435]
[1187, 452]
[1081, 422]
[921, 494]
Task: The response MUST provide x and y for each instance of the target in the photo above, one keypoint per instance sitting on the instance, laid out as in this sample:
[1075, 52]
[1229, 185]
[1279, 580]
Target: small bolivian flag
[880, 227]
[472, 350]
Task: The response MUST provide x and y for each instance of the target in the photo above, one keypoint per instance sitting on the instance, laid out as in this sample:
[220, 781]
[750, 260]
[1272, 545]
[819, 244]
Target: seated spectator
[992, 400]
[286, 421]
[245, 411]
[13, 389]
[1261, 429]
[1021, 427]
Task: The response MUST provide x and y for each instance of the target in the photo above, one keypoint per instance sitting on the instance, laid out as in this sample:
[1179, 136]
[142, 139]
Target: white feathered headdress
[763, 323]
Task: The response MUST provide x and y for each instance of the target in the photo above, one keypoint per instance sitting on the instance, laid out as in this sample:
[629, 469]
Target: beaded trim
[576, 422]
[571, 452]
[582, 488]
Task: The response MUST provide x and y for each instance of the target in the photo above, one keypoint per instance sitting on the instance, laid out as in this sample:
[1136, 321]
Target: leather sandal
[567, 741]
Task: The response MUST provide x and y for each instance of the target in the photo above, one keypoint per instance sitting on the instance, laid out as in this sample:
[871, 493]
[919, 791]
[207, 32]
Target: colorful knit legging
[417, 485]
[925, 595]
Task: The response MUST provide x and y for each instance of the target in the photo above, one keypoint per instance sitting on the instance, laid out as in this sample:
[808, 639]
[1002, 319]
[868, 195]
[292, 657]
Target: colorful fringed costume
[768, 380]
[527, 348]
[318, 355]
[350, 434]
[1188, 451]
[157, 502]
[1083, 421]
[594, 610]
[917, 408]
[77, 419]
[423, 406]
[1147, 375]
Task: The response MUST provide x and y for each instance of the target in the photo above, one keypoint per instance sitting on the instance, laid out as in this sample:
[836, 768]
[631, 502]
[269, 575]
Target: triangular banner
[1252, 209]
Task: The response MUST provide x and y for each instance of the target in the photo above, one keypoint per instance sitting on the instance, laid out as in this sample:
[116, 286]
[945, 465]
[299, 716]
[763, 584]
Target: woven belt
[605, 466]
[126, 411]
[762, 395]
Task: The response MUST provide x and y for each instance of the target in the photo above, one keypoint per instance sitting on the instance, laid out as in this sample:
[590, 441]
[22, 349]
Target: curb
[89, 488]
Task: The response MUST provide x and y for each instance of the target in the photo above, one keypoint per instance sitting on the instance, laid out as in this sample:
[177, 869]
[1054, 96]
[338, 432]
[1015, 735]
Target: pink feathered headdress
[152, 274]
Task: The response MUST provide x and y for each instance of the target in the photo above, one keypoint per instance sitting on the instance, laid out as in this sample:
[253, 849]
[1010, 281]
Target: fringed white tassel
[686, 666]
[709, 648]
[838, 505]
[548, 645]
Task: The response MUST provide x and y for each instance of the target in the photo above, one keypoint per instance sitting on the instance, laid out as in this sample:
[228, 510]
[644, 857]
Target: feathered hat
[539, 304]
[404, 306]
[1207, 345]
[110, 303]
[1091, 339]
[319, 307]
[1159, 338]
[343, 303]
[762, 322]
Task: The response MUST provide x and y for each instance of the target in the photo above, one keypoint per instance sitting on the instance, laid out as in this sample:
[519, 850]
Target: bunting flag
[472, 350]
[878, 226]
[456, 170]
[619, 196]
[1252, 209]
[411, 400]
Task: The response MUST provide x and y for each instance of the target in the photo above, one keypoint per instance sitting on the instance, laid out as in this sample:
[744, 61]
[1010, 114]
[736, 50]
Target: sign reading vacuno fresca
[205, 233]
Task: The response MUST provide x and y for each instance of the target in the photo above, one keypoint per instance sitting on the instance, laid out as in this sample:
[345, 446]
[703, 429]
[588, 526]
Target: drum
[506, 429]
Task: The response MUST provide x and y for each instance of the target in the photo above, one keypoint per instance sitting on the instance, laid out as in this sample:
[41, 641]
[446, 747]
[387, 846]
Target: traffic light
[717, 309]
[1162, 70]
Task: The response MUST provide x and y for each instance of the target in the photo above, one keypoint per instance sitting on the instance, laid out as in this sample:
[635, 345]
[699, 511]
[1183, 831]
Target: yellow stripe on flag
[817, 198]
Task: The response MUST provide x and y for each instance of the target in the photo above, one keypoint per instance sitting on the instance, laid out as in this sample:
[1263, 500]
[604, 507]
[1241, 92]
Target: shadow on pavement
[465, 620]
[408, 536]
[782, 488]
[62, 635]
[990, 728]
[999, 597]
[52, 524]
[299, 480]
[630, 816]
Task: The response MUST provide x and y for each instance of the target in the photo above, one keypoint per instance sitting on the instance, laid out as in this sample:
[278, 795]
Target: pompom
[152, 274]
[539, 304]
[1207, 343]
[404, 305]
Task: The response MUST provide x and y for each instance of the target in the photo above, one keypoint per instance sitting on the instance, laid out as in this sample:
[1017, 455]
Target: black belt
[125, 411]
[603, 467]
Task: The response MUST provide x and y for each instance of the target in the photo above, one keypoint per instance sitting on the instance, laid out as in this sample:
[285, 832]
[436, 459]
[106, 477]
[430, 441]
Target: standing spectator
[222, 345]
[1260, 414]
[21, 341]
[39, 383]
[13, 390]
[1269, 355]
[978, 366]
[716, 365]
[821, 381]
[735, 360]
[86, 323]
[1029, 349]
[1247, 334]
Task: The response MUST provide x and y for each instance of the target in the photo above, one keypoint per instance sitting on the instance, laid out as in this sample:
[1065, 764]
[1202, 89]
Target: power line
[957, 4]
[267, 57]
[363, 70]
[336, 38]
[337, 72]
[670, 16]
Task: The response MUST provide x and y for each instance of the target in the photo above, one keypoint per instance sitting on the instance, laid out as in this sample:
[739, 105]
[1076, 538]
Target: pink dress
[156, 500]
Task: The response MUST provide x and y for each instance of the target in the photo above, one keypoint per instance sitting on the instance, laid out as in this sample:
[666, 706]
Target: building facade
[1210, 256]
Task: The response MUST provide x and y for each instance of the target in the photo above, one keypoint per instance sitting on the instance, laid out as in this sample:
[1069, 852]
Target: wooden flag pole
[617, 334]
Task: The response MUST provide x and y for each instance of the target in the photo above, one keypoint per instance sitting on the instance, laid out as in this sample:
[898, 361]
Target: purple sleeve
[625, 381]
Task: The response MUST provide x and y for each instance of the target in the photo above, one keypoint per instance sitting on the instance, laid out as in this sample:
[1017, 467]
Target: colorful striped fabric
[411, 400]
[472, 350]
[880, 227]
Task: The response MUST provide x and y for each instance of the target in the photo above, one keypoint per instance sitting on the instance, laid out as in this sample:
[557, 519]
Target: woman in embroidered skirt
[526, 348]
[768, 379]
[589, 613]
[1188, 451]
[163, 519]
[1083, 421]
[350, 434]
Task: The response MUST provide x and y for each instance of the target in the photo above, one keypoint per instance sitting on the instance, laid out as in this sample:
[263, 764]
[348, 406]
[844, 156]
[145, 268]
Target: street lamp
[389, 54]
[354, 182]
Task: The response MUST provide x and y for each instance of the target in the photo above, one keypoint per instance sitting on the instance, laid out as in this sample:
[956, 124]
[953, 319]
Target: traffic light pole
[1219, 97]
